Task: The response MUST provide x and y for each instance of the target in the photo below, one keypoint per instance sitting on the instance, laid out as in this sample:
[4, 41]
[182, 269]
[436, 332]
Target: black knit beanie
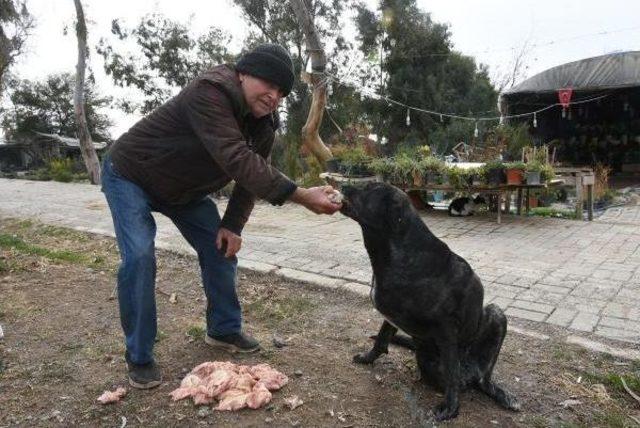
[270, 62]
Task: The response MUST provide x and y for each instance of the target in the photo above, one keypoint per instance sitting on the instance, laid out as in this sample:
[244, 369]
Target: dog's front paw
[444, 411]
[364, 358]
[511, 403]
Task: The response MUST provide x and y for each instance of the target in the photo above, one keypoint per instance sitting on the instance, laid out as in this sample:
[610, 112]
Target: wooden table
[337, 180]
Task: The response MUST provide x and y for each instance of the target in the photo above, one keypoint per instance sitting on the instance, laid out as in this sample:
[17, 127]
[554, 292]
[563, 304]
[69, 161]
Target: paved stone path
[583, 276]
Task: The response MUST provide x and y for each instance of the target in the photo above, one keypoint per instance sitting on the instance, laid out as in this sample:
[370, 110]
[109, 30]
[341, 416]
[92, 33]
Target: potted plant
[454, 175]
[354, 162]
[547, 173]
[515, 172]
[404, 167]
[382, 167]
[532, 174]
[431, 167]
[494, 171]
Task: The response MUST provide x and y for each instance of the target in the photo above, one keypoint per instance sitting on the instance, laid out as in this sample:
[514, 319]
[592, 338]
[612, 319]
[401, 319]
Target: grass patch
[161, 335]
[285, 308]
[612, 380]
[17, 244]
[61, 232]
[561, 352]
[613, 419]
[552, 212]
[196, 332]
[55, 370]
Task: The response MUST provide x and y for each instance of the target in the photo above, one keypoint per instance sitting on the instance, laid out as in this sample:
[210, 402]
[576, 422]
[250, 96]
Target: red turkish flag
[564, 95]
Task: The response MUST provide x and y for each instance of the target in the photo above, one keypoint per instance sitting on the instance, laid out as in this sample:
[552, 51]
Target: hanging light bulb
[441, 119]
[535, 120]
[408, 118]
[475, 131]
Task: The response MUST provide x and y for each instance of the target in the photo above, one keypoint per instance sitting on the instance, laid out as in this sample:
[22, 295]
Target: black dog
[426, 290]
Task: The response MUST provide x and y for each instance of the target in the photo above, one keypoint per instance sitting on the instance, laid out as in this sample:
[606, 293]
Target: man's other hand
[229, 241]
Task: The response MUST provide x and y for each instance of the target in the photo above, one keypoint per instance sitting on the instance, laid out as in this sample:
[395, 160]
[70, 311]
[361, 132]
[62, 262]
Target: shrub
[61, 169]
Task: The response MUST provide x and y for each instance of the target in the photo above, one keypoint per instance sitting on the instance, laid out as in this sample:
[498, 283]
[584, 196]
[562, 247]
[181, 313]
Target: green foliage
[15, 25]
[516, 137]
[196, 332]
[61, 169]
[494, 164]
[47, 106]
[515, 165]
[421, 69]
[552, 212]
[169, 57]
[17, 244]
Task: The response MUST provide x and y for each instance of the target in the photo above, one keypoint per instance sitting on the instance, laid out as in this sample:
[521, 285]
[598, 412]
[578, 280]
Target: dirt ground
[63, 347]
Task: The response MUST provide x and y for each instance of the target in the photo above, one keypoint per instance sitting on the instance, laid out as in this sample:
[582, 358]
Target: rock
[570, 403]
[203, 412]
[173, 298]
[298, 373]
[279, 342]
[293, 402]
[1, 332]
[268, 420]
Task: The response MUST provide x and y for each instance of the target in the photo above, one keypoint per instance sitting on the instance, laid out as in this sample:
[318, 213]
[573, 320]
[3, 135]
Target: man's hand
[316, 199]
[229, 241]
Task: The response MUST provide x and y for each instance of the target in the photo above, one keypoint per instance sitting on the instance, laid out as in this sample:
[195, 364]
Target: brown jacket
[200, 140]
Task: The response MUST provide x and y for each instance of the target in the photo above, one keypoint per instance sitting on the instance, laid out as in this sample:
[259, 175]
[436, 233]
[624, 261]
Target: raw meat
[233, 386]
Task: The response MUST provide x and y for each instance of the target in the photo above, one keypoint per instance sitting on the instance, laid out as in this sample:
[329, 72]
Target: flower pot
[533, 177]
[496, 176]
[430, 177]
[514, 176]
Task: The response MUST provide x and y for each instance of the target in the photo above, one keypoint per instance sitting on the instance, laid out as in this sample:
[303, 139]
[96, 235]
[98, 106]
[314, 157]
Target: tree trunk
[86, 145]
[310, 135]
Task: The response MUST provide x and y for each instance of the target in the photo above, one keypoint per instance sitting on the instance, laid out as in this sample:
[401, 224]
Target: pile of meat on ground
[233, 386]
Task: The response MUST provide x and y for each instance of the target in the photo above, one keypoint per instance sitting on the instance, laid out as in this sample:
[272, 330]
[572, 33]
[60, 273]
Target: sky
[493, 31]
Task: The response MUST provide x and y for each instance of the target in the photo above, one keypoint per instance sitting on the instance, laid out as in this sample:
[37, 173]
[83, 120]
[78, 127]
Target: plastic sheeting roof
[617, 70]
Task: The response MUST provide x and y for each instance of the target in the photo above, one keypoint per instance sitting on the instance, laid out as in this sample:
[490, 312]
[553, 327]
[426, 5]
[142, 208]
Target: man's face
[262, 96]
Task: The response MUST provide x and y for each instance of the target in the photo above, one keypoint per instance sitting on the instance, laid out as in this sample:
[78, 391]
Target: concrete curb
[363, 290]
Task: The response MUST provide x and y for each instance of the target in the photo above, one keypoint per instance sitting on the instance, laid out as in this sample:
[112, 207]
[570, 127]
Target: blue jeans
[135, 229]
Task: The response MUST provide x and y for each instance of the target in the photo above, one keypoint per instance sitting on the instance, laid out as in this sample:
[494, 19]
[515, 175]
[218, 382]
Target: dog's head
[378, 207]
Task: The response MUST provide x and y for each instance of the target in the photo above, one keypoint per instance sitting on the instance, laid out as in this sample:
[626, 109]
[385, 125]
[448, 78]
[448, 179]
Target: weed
[612, 380]
[196, 332]
[285, 308]
[161, 335]
[15, 243]
[613, 419]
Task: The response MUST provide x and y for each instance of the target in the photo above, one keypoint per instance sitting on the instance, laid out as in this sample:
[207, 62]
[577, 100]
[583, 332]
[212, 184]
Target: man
[217, 129]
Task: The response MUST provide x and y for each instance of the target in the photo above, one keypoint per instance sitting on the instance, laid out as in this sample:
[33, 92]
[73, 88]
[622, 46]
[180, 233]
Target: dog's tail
[400, 340]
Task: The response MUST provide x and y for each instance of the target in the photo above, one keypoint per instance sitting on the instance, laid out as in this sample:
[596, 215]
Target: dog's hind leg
[380, 346]
[485, 353]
